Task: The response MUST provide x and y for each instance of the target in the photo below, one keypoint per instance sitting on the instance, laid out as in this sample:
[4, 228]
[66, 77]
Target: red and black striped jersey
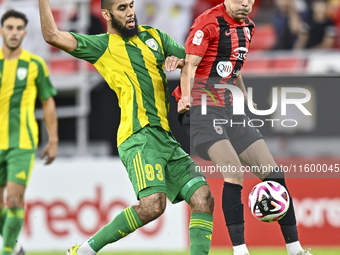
[223, 43]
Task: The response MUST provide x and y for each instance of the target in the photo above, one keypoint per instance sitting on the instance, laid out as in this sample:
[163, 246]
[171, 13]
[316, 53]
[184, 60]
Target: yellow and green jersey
[21, 80]
[134, 69]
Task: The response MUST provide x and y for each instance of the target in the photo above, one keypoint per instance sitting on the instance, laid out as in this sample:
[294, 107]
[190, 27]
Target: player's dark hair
[14, 14]
[106, 4]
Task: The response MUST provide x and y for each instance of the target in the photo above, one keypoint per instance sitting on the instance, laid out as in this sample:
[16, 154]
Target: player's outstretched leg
[258, 154]
[231, 198]
[126, 222]
[234, 216]
[201, 221]
[288, 222]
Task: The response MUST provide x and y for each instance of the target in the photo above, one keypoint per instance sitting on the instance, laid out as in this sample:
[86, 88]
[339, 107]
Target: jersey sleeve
[200, 36]
[170, 46]
[90, 47]
[43, 82]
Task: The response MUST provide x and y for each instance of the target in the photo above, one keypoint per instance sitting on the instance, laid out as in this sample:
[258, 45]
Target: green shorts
[156, 163]
[16, 166]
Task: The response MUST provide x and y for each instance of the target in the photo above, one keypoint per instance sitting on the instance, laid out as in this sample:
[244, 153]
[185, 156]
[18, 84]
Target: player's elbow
[50, 36]
[50, 39]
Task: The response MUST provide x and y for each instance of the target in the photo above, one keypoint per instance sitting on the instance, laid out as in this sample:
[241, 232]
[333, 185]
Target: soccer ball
[268, 201]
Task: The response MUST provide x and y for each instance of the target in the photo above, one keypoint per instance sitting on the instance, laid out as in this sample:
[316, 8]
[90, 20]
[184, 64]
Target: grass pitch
[253, 251]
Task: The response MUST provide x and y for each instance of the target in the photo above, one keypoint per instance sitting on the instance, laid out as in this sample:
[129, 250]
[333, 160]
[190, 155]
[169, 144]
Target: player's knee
[15, 201]
[202, 200]
[157, 209]
[151, 207]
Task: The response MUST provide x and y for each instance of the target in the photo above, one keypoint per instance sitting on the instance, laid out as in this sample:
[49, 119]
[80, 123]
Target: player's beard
[123, 30]
[12, 48]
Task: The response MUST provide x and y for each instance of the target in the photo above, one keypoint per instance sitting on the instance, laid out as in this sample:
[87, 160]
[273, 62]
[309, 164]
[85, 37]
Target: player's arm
[187, 75]
[173, 62]
[60, 39]
[51, 122]
[240, 84]
[174, 53]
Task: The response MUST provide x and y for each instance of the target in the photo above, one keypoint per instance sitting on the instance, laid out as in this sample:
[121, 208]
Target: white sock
[85, 249]
[17, 248]
[241, 250]
[294, 248]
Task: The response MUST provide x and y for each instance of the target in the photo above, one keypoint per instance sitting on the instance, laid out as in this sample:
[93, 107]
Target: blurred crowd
[280, 24]
[306, 24]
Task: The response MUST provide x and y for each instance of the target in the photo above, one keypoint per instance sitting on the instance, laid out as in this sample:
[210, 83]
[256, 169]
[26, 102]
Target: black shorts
[204, 132]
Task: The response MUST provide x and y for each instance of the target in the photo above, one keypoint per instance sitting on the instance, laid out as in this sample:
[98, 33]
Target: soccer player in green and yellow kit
[131, 58]
[23, 76]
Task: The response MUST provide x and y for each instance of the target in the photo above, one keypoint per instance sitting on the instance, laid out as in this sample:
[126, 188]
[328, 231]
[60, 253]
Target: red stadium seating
[274, 65]
[288, 65]
[264, 38]
[65, 66]
[256, 66]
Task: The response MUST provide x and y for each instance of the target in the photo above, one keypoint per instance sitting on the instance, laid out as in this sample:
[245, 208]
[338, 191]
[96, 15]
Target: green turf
[254, 251]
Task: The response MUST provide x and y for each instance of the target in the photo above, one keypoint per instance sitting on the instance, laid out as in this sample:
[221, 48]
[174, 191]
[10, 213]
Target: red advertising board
[316, 202]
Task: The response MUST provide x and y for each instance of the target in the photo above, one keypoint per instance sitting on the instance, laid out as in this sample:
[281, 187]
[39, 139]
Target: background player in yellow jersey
[131, 58]
[23, 76]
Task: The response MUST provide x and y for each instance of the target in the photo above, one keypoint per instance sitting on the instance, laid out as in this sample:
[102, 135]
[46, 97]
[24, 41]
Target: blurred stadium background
[87, 185]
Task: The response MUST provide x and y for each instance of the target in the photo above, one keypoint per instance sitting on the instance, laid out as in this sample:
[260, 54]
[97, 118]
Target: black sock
[289, 233]
[233, 212]
[288, 222]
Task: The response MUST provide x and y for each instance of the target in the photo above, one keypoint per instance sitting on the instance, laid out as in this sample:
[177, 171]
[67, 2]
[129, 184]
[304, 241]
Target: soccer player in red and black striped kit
[216, 50]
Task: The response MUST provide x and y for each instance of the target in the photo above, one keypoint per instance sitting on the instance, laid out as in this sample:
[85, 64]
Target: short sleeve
[200, 36]
[170, 46]
[90, 47]
[43, 82]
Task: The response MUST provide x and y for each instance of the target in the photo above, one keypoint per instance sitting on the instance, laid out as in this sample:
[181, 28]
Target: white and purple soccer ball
[268, 201]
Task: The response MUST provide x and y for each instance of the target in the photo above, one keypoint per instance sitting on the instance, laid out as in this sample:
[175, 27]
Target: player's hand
[184, 104]
[254, 105]
[172, 63]
[50, 152]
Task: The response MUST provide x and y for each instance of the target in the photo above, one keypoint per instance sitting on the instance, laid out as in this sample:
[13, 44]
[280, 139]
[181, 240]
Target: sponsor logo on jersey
[246, 29]
[230, 33]
[236, 72]
[224, 68]
[219, 130]
[198, 37]
[22, 73]
[151, 43]
[240, 53]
